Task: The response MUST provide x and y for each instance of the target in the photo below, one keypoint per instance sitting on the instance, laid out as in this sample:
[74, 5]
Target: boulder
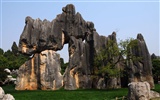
[140, 67]
[4, 96]
[141, 91]
[154, 94]
[2, 93]
[8, 97]
[42, 71]
[101, 84]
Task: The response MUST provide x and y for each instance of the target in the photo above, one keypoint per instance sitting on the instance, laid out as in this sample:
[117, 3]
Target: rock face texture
[40, 35]
[141, 91]
[77, 74]
[42, 38]
[42, 71]
[4, 96]
[141, 67]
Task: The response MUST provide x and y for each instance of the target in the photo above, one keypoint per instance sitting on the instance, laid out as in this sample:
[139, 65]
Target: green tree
[14, 48]
[3, 75]
[112, 54]
[111, 60]
[156, 69]
[106, 60]
[1, 51]
[63, 65]
[10, 60]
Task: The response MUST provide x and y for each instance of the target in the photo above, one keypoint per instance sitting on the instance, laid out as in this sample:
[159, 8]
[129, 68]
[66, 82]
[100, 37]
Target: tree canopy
[11, 59]
[156, 69]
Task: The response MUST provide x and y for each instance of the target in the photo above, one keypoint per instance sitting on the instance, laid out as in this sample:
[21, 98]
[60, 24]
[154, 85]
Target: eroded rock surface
[140, 67]
[42, 71]
[77, 75]
[42, 38]
[40, 35]
[141, 91]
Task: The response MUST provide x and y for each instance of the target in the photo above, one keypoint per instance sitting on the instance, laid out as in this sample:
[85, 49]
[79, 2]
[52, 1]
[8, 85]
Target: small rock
[8, 97]
[4, 96]
[1, 93]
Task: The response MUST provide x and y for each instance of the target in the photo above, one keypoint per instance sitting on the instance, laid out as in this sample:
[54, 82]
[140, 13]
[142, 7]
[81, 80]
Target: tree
[11, 61]
[112, 59]
[112, 54]
[63, 65]
[106, 60]
[1, 51]
[3, 75]
[14, 48]
[156, 69]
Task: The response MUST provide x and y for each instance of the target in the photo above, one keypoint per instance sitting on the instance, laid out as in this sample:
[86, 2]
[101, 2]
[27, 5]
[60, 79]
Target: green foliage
[156, 69]
[111, 71]
[14, 48]
[63, 65]
[1, 51]
[3, 75]
[105, 61]
[10, 60]
[124, 45]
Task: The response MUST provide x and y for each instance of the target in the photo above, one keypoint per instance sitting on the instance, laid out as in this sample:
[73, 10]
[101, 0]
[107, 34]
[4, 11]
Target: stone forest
[42, 39]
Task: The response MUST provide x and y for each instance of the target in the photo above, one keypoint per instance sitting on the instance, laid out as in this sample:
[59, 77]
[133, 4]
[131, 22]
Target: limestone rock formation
[4, 96]
[77, 75]
[41, 35]
[101, 42]
[42, 71]
[68, 27]
[141, 91]
[140, 68]
[43, 38]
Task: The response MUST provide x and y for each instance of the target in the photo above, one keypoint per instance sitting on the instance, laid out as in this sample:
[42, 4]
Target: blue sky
[128, 18]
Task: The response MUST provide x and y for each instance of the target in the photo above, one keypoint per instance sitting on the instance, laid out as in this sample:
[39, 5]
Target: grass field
[89, 94]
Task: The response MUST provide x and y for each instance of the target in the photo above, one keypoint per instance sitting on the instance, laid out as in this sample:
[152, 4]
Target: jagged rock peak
[141, 68]
[70, 8]
[43, 35]
[140, 37]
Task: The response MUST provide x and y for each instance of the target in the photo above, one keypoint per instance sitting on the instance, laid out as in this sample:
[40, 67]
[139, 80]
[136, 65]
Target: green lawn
[89, 94]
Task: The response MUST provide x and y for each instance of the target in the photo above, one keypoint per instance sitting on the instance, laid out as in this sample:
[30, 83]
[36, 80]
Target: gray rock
[141, 91]
[42, 71]
[43, 35]
[8, 97]
[101, 84]
[140, 69]
[4, 96]
[77, 73]
[154, 94]
[102, 42]
[2, 93]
